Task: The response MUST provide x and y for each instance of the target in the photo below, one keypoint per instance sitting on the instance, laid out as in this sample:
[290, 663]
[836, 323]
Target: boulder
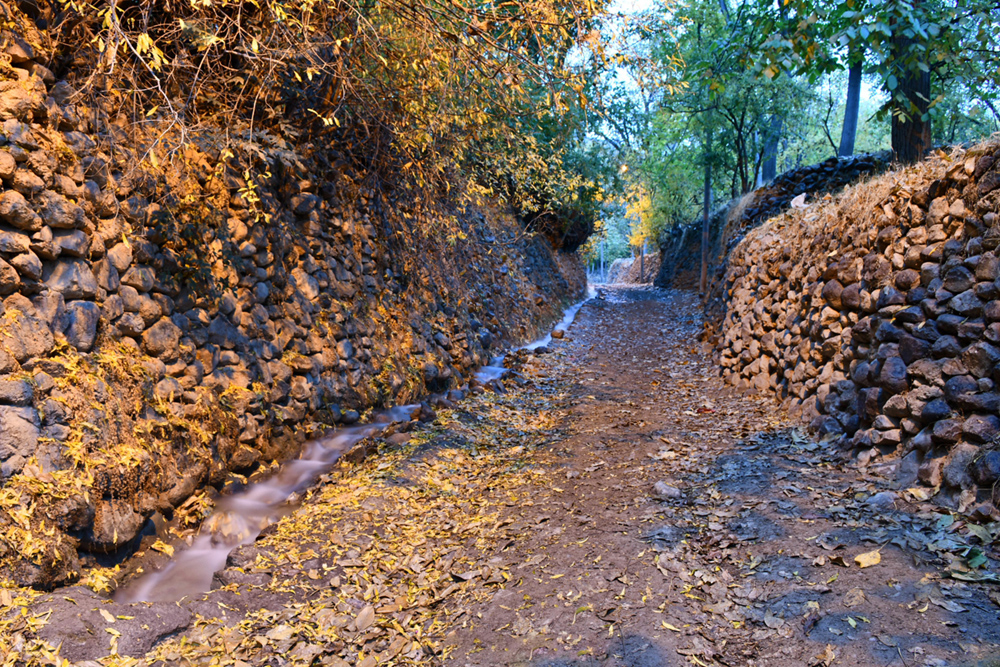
[18, 436]
[16, 212]
[28, 265]
[981, 428]
[947, 430]
[73, 278]
[306, 285]
[71, 242]
[162, 339]
[956, 468]
[131, 325]
[120, 256]
[142, 278]
[892, 377]
[58, 212]
[16, 392]
[27, 335]
[985, 469]
[930, 471]
[980, 358]
[958, 279]
[14, 242]
[116, 523]
[81, 324]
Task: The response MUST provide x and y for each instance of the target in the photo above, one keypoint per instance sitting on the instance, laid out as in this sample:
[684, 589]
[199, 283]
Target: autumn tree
[406, 95]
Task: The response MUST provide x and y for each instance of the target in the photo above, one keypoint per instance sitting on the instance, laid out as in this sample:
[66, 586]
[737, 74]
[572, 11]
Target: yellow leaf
[670, 627]
[868, 559]
[107, 616]
[162, 547]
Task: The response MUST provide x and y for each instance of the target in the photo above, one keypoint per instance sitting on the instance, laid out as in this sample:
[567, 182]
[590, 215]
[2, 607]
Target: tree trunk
[849, 132]
[911, 125]
[642, 261]
[703, 282]
[769, 167]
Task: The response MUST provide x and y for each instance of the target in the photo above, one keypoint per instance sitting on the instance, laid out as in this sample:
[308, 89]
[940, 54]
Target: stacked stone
[680, 248]
[321, 306]
[882, 326]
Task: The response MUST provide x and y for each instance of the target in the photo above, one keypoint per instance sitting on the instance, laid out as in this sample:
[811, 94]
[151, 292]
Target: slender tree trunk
[769, 167]
[604, 274]
[703, 282]
[849, 132]
[642, 262]
[911, 126]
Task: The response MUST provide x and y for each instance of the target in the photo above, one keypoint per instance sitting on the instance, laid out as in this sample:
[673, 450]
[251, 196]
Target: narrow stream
[239, 518]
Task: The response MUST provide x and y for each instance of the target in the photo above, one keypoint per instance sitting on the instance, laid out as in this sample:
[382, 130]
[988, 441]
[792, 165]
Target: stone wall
[680, 246]
[877, 316]
[171, 328]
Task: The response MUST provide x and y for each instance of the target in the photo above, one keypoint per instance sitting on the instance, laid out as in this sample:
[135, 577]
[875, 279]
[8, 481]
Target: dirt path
[527, 528]
[753, 561]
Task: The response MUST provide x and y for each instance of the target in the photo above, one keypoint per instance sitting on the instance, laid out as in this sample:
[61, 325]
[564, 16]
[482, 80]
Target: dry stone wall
[680, 247]
[876, 315]
[160, 332]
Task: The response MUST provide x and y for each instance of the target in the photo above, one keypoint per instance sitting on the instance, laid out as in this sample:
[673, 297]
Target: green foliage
[958, 44]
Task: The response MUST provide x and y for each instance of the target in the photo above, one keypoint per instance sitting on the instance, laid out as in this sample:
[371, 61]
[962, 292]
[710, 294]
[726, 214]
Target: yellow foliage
[421, 91]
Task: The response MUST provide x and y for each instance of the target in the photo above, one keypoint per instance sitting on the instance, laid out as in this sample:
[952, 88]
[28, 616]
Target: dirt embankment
[876, 315]
[173, 324]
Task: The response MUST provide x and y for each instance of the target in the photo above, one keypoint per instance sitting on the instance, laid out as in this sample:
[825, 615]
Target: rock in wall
[877, 316]
[171, 328]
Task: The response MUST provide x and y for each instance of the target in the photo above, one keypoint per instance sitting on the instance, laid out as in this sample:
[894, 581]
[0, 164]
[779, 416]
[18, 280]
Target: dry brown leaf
[365, 618]
[824, 659]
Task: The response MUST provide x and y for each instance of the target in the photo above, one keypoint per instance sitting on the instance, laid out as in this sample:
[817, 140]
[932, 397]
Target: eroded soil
[528, 528]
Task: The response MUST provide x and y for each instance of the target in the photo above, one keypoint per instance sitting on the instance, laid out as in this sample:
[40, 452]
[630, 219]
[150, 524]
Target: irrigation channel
[241, 517]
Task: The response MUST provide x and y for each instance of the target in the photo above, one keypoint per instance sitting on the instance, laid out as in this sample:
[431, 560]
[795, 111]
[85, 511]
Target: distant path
[740, 568]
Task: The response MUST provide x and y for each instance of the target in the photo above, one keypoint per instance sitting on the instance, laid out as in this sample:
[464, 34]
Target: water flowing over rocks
[876, 317]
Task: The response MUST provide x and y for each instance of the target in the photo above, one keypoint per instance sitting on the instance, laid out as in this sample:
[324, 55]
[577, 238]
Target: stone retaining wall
[167, 329]
[877, 316]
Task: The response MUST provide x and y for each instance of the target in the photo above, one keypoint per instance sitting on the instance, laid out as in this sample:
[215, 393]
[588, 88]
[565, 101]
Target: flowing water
[239, 518]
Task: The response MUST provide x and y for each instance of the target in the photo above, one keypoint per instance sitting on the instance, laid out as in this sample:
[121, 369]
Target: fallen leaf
[162, 547]
[839, 560]
[854, 597]
[953, 607]
[365, 618]
[772, 621]
[868, 559]
[824, 659]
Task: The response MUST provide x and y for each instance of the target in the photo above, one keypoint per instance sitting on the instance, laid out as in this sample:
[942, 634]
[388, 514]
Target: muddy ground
[613, 505]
